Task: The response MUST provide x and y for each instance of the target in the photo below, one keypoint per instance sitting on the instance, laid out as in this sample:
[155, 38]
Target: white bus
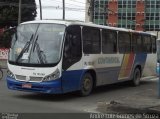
[52, 56]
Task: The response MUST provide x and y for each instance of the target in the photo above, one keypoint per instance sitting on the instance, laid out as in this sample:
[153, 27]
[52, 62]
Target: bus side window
[72, 47]
[91, 40]
[124, 42]
[109, 41]
[153, 38]
[147, 44]
[136, 43]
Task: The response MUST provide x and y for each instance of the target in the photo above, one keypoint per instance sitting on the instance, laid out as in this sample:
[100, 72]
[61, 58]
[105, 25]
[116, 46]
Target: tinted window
[136, 43]
[147, 44]
[109, 41]
[91, 40]
[72, 48]
[153, 38]
[124, 42]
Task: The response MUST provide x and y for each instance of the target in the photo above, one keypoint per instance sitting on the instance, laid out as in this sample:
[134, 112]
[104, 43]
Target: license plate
[26, 85]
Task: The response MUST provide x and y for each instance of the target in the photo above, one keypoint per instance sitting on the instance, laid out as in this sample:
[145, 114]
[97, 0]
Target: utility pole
[19, 12]
[40, 7]
[89, 11]
[92, 9]
[63, 9]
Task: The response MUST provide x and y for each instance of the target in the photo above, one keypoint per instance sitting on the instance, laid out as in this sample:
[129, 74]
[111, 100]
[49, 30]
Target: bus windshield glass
[37, 44]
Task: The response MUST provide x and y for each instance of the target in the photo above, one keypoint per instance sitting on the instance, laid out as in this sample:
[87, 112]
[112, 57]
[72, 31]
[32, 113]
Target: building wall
[127, 14]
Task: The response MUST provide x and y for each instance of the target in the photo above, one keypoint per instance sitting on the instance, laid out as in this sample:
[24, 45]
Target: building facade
[142, 15]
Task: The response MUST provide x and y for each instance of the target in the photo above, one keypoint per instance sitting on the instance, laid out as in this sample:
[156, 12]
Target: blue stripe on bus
[51, 87]
[140, 59]
[71, 80]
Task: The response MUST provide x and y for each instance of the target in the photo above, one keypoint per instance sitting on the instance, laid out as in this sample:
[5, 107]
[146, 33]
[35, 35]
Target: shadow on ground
[74, 95]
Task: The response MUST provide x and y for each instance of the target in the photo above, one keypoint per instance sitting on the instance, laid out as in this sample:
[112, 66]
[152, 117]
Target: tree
[9, 12]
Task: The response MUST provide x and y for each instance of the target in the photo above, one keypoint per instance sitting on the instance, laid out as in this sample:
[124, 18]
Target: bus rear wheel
[136, 77]
[86, 85]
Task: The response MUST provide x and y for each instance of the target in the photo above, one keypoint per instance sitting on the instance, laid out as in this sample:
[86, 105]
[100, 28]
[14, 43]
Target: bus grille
[36, 79]
[20, 77]
[32, 79]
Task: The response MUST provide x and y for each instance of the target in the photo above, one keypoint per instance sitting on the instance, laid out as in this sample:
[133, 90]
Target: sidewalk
[146, 101]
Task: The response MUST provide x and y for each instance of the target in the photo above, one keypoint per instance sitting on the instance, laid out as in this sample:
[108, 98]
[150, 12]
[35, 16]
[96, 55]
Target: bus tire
[86, 85]
[136, 77]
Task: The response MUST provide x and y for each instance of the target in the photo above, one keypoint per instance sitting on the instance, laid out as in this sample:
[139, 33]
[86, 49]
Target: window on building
[129, 14]
[152, 2]
[129, 2]
[91, 40]
[109, 41]
[129, 6]
[119, 6]
[147, 14]
[152, 14]
[124, 42]
[133, 14]
[101, 17]
[133, 2]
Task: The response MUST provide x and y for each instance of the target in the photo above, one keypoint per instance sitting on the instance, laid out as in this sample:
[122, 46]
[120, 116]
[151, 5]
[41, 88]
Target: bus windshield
[37, 44]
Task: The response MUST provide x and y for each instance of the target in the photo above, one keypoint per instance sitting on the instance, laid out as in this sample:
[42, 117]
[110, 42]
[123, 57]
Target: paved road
[24, 102]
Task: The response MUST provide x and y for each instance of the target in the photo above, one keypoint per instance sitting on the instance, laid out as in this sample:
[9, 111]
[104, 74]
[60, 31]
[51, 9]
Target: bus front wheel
[136, 77]
[86, 85]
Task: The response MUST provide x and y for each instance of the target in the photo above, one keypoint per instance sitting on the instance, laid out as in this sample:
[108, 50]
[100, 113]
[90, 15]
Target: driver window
[72, 48]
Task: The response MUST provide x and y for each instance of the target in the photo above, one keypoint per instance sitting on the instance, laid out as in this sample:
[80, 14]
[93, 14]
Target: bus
[56, 57]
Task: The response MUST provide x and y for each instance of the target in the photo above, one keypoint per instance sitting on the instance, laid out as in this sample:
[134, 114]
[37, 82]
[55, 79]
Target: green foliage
[6, 38]
[9, 12]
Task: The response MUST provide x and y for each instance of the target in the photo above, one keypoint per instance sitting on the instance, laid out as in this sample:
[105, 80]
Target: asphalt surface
[26, 102]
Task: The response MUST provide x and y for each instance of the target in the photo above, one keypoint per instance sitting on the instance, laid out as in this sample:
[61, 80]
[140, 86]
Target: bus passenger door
[72, 54]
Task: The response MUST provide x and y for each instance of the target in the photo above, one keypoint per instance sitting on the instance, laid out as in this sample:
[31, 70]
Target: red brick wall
[140, 15]
[112, 13]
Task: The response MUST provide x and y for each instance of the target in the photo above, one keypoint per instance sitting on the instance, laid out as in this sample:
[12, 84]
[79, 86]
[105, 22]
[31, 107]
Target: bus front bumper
[50, 87]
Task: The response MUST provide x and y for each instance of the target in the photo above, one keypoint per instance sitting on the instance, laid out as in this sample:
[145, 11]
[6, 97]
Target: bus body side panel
[106, 66]
[140, 60]
[72, 76]
[126, 67]
[71, 80]
[150, 65]
[107, 75]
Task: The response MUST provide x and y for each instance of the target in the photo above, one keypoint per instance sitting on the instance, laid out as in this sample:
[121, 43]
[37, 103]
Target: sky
[52, 9]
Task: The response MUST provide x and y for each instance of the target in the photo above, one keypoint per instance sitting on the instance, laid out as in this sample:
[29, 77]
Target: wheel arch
[139, 67]
[93, 74]
[134, 68]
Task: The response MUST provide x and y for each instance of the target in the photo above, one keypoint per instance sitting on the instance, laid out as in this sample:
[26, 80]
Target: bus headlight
[52, 76]
[10, 74]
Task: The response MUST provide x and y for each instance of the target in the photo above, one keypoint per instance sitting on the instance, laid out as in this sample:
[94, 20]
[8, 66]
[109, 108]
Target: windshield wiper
[26, 47]
[41, 55]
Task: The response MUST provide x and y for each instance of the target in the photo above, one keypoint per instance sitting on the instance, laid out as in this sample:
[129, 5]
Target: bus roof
[71, 22]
